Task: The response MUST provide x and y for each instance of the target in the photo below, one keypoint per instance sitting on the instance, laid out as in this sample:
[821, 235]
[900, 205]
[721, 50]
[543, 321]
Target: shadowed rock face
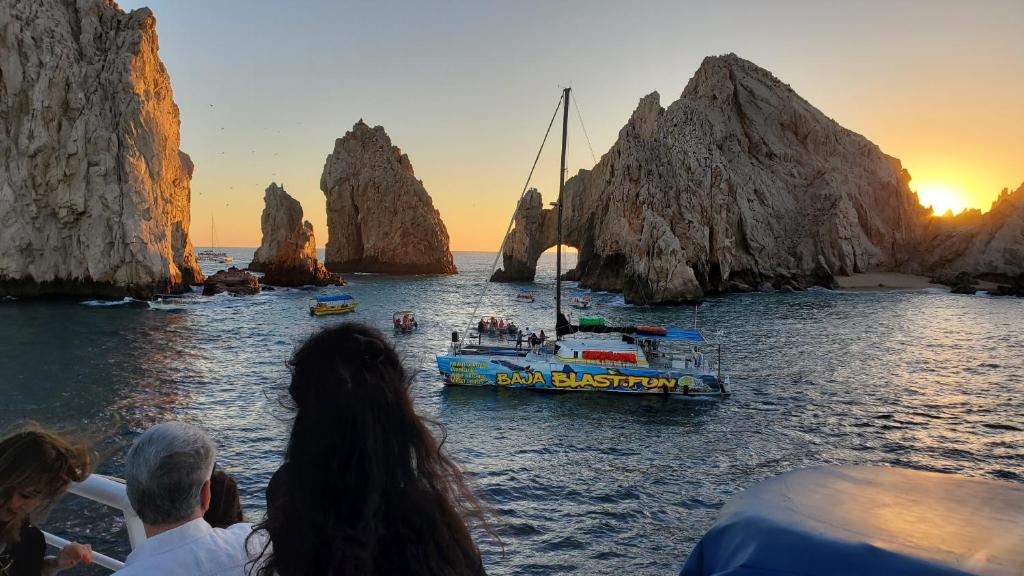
[739, 183]
[379, 216]
[989, 246]
[94, 193]
[287, 253]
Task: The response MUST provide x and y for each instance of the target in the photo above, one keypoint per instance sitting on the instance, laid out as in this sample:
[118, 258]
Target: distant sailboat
[213, 255]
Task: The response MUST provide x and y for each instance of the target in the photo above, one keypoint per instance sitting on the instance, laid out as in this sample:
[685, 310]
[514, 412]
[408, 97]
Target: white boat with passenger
[588, 356]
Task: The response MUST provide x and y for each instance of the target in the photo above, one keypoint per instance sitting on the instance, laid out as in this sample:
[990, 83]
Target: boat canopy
[666, 334]
[852, 520]
[674, 334]
[339, 298]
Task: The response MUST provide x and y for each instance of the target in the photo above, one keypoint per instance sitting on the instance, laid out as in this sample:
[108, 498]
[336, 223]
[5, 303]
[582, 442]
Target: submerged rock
[287, 253]
[234, 281]
[94, 192]
[379, 216]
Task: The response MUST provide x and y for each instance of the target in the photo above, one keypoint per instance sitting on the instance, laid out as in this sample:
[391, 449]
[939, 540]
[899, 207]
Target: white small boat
[581, 301]
[404, 322]
[526, 296]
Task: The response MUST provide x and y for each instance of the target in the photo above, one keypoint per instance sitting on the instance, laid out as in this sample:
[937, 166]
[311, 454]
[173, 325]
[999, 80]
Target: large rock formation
[94, 193]
[287, 254]
[379, 216]
[740, 182]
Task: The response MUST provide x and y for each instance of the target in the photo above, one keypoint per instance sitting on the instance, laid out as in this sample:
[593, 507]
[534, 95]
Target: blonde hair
[37, 460]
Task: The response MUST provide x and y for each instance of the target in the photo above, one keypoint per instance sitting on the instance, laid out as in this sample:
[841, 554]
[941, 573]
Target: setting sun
[942, 197]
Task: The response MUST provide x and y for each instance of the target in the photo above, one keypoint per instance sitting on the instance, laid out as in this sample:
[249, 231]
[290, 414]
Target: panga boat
[670, 361]
[581, 301]
[526, 296]
[327, 305]
[404, 322]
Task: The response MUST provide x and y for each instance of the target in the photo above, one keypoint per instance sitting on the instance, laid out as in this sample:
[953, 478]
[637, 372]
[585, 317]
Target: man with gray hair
[167, 472]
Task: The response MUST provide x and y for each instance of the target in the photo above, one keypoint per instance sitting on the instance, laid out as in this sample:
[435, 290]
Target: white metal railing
[110, 492]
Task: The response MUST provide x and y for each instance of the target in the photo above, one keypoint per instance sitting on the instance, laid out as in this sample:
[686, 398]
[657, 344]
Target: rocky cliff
[379, 216]
[94, 193]
[287, 253]
[739, 183]
[988, 246]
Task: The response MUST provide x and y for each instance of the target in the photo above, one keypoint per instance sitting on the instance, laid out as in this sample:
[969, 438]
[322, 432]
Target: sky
[466, 89]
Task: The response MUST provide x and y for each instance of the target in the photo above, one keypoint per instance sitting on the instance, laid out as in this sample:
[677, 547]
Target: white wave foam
[126, 300]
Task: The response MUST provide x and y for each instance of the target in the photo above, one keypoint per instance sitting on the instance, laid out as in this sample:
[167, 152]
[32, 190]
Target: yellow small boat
[328, 305]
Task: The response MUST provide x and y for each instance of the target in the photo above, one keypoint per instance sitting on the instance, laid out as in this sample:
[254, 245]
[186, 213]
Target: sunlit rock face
[989, 246]
[379, 216]
[739, 183]
[287, 254]
[94, 192]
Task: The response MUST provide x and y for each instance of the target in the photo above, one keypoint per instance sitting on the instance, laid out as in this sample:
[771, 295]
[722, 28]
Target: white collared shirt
[193, 549]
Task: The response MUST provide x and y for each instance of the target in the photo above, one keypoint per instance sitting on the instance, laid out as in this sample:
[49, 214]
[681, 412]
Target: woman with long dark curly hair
[36, 467]
[365, 488]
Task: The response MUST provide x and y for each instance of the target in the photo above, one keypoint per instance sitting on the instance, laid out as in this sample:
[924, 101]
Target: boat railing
[110, 492]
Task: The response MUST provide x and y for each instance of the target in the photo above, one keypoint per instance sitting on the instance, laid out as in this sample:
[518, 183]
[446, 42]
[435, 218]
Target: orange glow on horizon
[943, 198]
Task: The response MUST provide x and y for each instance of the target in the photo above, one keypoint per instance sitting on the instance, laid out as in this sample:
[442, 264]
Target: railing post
[113, 493]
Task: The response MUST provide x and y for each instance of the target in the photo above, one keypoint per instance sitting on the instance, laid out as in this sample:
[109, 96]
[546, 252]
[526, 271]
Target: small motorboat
[526, 296]
[581, 301]
[404, 322]
[327, 305]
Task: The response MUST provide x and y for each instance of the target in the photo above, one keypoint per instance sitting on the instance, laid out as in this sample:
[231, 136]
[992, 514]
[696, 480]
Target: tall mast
[561, 187]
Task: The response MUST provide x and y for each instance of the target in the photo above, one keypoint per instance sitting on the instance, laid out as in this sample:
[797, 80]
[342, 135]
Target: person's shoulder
[238, 531]
[31, 538]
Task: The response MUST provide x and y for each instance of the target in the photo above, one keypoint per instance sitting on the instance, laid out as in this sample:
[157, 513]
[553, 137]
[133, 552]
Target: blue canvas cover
[852, 520]
[339, 298]
[675, 334]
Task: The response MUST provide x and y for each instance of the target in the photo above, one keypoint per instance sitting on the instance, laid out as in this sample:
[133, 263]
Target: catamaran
[672, 361]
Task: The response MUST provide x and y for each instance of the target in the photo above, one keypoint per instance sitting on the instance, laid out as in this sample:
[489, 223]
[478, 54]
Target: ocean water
[578, 483]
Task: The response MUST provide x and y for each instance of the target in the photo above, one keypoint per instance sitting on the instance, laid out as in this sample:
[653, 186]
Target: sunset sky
[466, 90]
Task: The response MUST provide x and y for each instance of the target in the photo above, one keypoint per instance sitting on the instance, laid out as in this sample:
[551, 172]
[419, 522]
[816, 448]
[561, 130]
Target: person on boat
[501, 324]
[481, 326]
[542, 338]
[532, 340]
[36, 467]
[365, 487]
[225, 503]
[168, 474]
[519, 340]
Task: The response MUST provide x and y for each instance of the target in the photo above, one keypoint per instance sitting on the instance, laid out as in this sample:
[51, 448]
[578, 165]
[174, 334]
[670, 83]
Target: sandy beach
[885, 281]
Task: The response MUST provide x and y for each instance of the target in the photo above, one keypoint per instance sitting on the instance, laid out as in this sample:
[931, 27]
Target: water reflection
[580, 481]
